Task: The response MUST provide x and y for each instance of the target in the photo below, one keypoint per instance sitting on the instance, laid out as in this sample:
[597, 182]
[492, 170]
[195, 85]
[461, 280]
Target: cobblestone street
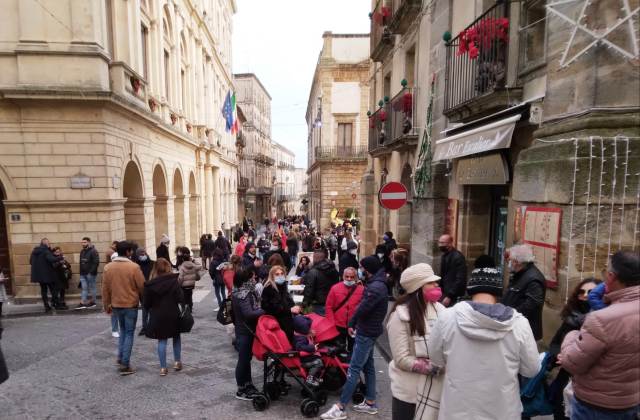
[63, 367]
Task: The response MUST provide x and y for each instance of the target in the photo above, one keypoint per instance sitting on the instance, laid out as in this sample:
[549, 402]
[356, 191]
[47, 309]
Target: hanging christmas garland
[422, 174]
[482, 35]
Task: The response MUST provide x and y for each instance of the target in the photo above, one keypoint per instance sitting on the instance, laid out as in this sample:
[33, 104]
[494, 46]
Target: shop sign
[492, 136]
[541, 230]
[483, 170]
[80, 182]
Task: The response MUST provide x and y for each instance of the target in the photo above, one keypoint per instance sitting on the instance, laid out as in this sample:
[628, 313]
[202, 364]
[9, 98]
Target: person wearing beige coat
[415, 384]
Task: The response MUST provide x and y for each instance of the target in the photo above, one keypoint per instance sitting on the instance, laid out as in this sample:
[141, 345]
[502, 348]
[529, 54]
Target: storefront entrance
[498, 232]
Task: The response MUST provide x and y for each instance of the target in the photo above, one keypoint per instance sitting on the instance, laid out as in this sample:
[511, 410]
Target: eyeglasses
[584, 291]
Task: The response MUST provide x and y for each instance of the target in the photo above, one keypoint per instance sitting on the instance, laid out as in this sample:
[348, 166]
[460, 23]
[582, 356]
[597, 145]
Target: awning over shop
[496, 135]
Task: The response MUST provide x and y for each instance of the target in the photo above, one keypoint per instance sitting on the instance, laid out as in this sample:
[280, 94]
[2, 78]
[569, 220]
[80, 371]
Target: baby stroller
[272, 347]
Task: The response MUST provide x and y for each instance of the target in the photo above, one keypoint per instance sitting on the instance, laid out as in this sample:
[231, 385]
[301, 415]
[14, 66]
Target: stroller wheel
[309, 408]
[321, 397]
[260, 402]
[272, 389]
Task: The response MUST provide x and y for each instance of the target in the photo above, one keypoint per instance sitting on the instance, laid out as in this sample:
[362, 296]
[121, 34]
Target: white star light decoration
[599, 37]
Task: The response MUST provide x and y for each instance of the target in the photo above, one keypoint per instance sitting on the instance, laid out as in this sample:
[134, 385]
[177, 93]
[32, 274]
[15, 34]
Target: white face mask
[380, 256]
[280, 280]
[349, 283]
[353, 251]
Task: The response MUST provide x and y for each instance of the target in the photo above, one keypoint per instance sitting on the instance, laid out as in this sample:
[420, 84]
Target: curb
[40, 312]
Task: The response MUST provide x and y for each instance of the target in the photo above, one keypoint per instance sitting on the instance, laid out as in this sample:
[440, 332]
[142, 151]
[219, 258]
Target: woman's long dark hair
[417, 308]
[572, 303]
[241, 277]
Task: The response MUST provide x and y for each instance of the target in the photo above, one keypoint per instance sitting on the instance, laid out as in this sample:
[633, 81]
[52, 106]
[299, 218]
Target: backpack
[225, 312]
[533, 393]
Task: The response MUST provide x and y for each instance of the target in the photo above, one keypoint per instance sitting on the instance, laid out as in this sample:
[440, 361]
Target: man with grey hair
[527, 287]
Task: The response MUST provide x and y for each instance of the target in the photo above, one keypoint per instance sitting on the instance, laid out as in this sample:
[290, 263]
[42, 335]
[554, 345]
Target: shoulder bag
[185, 320]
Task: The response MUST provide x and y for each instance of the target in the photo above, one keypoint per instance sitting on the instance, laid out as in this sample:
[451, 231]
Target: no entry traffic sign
[393, 195]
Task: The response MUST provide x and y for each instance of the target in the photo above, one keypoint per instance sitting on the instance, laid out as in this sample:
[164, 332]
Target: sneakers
[115, 334]
[363, 407]
[246, 393]
[91, 305]
[334, 413]
[80, 306]
[126, 370]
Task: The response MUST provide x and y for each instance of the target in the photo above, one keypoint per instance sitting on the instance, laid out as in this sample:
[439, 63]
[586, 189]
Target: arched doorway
[160, 204]
[403, 236]
[178, 208]
[193, 211]
[132, 190]
[4, 243]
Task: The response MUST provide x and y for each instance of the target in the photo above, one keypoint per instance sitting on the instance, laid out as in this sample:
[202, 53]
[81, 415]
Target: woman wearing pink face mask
[415, 384]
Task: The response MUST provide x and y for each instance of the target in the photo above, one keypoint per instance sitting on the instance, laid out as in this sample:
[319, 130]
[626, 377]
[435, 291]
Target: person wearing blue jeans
[89, 262]
[127, 318]
[367, 325]
[584, 411]
[122, 287]
[162, 353]
[115, 329]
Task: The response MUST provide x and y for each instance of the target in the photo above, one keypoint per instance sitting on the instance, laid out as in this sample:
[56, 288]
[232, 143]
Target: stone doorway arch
[161, 217]
[133, 192]
[5, 259]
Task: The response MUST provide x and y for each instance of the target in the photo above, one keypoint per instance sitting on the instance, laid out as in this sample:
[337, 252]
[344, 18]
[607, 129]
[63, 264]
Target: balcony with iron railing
[339, 153]
[476, 67]
[379, 128]
[243, 183]
[264, 159]
[403, 13]
[404, 132]
[381, 37]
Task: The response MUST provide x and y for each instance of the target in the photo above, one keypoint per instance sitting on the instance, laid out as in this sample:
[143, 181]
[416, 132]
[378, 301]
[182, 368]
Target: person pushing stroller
[304, 343]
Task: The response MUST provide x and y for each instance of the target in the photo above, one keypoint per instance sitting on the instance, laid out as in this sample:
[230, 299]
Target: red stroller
[273, 348]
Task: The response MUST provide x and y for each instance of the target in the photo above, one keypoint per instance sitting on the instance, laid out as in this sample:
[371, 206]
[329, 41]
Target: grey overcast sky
[279, 41]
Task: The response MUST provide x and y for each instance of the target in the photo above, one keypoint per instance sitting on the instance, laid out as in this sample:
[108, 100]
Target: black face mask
[583, 306]
[443, 248]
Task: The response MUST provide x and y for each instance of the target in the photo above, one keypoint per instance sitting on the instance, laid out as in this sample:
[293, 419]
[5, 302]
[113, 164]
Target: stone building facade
[110, 126]
[285, 197]
[257, 163]
[535, 138]
[337, 128]
[400, 82]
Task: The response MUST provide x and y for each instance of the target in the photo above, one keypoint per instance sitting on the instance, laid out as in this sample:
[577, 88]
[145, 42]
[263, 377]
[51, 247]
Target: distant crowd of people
[462, 346]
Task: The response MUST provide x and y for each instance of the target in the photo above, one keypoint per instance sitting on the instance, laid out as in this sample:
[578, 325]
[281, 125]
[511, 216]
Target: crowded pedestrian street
[334, 210]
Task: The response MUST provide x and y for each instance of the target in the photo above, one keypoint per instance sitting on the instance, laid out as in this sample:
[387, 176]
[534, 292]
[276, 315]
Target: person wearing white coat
[415, 385]
[483, 346]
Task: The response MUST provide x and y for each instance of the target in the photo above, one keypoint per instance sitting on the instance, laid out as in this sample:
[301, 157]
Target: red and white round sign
[393, 195]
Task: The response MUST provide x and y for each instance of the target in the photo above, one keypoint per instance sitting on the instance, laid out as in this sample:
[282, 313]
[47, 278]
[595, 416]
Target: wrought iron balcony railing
[329, 153]
[381, 37]
[243, 183]
[477, 58]
[379, 128]
[403, 111]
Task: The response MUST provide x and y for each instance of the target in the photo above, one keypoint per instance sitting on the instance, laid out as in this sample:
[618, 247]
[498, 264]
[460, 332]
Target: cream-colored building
[338, 127]
[300, 190]
[399, 84]
[257, 175]
[285, 198]
[111, 125]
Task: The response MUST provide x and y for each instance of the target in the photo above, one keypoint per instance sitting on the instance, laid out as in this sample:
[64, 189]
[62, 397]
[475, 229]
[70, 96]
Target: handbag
[185, 320]
[225, 313]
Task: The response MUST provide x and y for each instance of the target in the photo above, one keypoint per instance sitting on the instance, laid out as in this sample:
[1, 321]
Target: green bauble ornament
[386, 99]
[404, 83]
[370, 15]
[446, 36]
[368, 113]
[380, 102]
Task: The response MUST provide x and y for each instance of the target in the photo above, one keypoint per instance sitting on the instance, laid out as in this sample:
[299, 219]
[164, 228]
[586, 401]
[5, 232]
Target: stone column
[216, 200]
[208, 198]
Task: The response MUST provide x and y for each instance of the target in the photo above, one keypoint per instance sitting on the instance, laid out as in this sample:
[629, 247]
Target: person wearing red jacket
[342, 301]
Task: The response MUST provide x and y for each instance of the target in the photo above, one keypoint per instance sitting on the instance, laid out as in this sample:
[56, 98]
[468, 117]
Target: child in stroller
[305, 344]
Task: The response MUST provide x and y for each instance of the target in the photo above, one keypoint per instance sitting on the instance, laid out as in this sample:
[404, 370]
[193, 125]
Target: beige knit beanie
[416, 276]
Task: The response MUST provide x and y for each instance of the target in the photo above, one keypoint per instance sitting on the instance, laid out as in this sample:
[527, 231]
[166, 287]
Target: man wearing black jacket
[223, 244]
[453, 271]
[276, 248]
[318, 282]
[527, 287]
